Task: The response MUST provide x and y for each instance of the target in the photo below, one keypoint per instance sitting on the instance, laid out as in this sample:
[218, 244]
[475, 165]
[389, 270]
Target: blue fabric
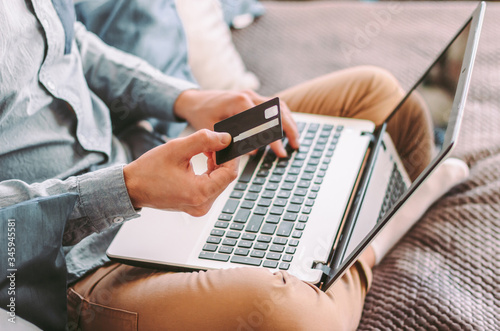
[233, 8]
[149, 29]
[35, 274]
[66, 11]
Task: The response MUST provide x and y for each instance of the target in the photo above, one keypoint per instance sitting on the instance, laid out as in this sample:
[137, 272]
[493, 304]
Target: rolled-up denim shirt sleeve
[103, 200]
[127, 83]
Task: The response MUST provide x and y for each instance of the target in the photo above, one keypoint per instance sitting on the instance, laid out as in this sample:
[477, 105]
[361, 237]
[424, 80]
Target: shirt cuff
[104, 197]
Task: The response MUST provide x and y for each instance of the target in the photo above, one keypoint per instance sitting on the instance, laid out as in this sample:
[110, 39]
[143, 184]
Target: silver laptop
[313, 213]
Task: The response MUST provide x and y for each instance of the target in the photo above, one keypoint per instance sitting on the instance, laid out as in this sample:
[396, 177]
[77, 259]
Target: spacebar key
[213, 256]
[246, 260]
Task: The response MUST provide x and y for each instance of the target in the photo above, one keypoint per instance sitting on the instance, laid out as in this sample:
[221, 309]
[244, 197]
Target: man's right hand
[163, 178]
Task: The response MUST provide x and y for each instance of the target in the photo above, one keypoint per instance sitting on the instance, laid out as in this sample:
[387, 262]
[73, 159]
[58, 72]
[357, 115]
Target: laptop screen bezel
[452, 131]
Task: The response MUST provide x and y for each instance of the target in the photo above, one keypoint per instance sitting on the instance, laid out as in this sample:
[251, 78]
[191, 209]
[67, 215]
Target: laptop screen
[435, 93]
[441, 91]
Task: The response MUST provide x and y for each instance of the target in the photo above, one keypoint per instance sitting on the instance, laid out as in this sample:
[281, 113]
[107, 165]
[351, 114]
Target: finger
[256, 98]
[203, 141]
[289, 126]
[278, 148]
[213, 183]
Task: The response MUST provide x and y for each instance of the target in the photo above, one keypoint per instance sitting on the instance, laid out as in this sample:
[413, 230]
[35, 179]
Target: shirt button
[51, 85]
[118, 219]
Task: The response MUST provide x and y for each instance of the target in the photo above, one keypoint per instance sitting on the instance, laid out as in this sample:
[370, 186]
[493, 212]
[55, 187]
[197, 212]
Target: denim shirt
[57, 103]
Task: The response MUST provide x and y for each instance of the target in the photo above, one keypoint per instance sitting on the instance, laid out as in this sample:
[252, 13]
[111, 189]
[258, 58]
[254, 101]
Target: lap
[231, 299]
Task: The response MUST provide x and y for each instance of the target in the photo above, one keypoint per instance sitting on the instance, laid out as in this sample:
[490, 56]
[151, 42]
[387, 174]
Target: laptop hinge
[369, 134]
[322, 267]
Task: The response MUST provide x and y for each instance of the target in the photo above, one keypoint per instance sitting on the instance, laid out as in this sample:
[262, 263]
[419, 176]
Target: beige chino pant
[121, 297]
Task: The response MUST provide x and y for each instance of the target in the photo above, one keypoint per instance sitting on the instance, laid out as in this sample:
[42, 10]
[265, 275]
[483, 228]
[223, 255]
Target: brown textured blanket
[445, 273]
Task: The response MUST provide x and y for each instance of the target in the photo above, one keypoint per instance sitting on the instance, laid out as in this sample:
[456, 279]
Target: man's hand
[163, 178]
[202, 109]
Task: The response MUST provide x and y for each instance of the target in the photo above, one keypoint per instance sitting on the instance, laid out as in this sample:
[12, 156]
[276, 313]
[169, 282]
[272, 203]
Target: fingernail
[225, 138]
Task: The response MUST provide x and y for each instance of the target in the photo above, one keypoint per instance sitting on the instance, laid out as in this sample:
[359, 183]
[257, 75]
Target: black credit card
[250, 130]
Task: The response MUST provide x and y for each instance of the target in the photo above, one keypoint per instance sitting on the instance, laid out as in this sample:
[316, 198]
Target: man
[62, 89]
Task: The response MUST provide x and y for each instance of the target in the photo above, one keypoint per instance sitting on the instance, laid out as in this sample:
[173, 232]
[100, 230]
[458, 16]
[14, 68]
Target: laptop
[313, 213]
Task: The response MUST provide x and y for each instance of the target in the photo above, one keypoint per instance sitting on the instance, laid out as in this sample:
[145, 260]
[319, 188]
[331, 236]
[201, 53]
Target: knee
[284, 302]
[377, 78]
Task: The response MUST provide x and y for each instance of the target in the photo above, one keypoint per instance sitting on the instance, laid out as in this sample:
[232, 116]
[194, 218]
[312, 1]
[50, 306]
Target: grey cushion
[35, 276]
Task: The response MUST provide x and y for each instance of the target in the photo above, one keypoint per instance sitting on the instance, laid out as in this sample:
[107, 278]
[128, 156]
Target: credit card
[250, 130]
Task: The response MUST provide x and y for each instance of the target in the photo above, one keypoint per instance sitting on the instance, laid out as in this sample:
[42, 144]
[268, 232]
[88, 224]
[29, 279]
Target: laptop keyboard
[395, 189]
[263, 220]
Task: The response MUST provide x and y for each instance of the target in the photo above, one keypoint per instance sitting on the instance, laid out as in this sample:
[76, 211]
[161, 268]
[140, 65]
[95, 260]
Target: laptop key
[260, 211]
[270, 264]
[225, 217]
[233, 234]
[293, 242]
[259, 254]
[241, 251]
[217, 232]
[254, 223]
[284, 194]
[301, 192]
[287, 258]
[248, 236]
[252, 163]
[277, 248]
[280, 241]
[264, 202]
[290, 216]
[237, 226]
[273, 219]
[303, 218]
[292, 209]
[261, 246]
[284, 266]
[272, 186]
[268, 229]
[213, 256]
[290, 250]
[229, 242]
[242, 216]
[240, 186]
[251, 196]
[267, 195]
[297, 234]
[309, 202]
[230, 206]
[259, 180]
[247, 204]
[300, 226]
[277, 210]
[222, 225]
[245, 244]
[213, 240]
[273, 256]
[246, 260]
[210, 247]
[236, 195]
[226, 250]
[294, 171]
[280, 202]
[285, 229]
[264, 239]
[306, 210]
[305, 183]
[287, 186]
[255, 188]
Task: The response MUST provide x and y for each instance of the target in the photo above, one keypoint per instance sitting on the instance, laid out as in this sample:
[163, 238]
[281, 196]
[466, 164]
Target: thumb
[205, 141]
